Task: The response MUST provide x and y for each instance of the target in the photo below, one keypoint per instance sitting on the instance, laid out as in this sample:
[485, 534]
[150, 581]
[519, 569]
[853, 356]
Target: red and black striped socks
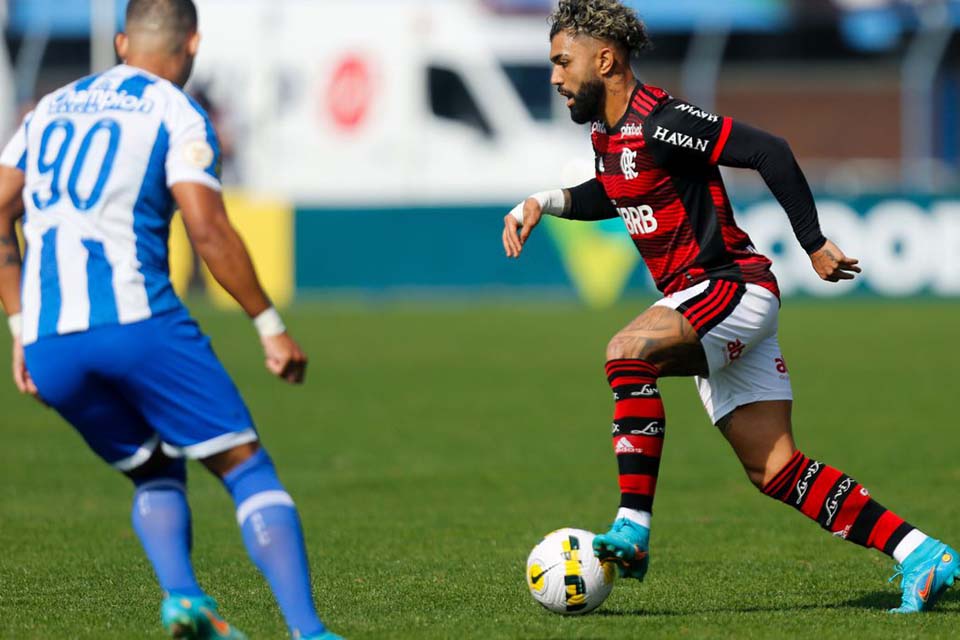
[842, 506]
[836, 501]
[638, 429]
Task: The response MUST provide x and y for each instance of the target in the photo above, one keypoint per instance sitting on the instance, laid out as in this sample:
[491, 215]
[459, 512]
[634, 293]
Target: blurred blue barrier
[908, 246]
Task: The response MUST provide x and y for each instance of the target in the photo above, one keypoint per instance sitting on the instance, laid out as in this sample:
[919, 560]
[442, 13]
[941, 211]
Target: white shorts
[737, 325]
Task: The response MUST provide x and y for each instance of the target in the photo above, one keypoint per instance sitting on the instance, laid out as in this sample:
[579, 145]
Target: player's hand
[284, 357]
[832, 265]
[21, 377]
[512, 244]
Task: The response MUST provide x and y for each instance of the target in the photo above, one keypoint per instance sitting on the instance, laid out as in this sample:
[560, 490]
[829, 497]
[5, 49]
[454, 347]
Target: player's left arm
[11, 209]
[772, 157]
[13, 161]
[680, 134]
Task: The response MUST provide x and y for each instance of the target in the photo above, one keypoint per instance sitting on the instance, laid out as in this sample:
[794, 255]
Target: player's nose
[556, 78]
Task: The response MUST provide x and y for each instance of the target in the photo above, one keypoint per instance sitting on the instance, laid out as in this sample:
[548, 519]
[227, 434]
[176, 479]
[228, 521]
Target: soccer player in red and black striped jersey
[657, 168]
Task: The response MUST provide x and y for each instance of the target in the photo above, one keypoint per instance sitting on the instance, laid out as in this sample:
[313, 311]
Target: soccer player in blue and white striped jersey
[99, 334]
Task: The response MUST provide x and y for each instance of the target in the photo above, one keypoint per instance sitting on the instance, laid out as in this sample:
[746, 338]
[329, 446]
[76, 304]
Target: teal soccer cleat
[627, 543]
[927, 572]
[327, 635]
[196, 618]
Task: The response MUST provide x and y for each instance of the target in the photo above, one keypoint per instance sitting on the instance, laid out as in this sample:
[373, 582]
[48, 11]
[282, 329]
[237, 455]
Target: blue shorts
[129, 389]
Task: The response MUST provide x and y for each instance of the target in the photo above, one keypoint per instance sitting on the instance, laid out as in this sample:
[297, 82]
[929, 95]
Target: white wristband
[15, 323]
[552, 203]
[269, 323]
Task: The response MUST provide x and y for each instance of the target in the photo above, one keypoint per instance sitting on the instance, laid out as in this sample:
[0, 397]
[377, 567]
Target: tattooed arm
[11, 208]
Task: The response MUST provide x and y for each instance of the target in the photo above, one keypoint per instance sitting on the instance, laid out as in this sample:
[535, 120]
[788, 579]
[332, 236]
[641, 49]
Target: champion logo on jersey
[625, 446]
[628, 164]
[98, 100]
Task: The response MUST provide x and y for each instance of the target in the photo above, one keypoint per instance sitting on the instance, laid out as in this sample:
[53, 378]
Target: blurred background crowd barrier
[372, 146]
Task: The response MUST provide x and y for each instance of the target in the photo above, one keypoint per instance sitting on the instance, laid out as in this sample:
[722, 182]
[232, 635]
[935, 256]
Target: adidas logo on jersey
[625, 446]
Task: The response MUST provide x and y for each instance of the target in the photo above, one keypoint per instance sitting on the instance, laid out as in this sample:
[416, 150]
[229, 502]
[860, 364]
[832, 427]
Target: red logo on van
[350, 92]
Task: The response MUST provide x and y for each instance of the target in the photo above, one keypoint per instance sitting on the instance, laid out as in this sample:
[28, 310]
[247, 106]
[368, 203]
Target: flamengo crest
[628, 164]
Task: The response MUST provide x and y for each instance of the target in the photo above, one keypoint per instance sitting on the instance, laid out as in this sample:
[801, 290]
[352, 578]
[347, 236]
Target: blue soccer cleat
[927, 572]
[326, 635]
[628, 544]
[196, 618]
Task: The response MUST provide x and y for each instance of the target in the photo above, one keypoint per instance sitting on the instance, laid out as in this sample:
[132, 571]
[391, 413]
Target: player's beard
[587, 102]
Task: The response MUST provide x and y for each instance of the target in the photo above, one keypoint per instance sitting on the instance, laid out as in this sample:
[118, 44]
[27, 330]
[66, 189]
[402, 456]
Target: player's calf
[161, 519]
[639, 425]
[273, 536]
[842, 506]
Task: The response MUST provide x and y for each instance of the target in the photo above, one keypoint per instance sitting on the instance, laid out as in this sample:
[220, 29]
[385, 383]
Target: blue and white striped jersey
[100, 156]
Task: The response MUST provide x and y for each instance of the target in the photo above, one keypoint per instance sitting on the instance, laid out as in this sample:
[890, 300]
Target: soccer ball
[564, 575]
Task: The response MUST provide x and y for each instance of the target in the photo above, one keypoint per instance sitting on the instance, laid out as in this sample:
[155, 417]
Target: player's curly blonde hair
[602, 19]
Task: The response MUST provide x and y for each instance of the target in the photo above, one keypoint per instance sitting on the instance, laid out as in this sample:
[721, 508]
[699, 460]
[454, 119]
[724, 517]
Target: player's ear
[606, 59]
[193, 44]
[122, 45]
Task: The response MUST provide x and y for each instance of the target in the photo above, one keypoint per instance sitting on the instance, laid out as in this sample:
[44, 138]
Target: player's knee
[223, 463]
[757, 476]
[621, 348]
[762, 474]
[158, 467]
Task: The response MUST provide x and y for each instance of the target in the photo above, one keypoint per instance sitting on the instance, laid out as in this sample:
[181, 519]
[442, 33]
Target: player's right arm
[587, 201]
[192, 171]
[220, 247]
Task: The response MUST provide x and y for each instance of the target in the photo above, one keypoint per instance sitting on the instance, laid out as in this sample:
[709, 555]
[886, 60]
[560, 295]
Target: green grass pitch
[433, 446]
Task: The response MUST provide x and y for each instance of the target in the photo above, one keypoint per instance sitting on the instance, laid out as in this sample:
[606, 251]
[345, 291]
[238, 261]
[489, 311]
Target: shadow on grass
[876, 601]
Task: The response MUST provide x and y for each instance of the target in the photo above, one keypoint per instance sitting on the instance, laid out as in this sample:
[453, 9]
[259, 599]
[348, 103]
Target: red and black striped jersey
[658, 168]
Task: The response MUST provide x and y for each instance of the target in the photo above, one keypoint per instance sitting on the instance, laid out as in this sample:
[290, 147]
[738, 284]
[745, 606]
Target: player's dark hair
[604, 20]
[177, 17]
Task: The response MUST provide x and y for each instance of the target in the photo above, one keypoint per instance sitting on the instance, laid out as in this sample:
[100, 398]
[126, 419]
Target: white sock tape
[269, 323]
[641, 518]
[15, 322]
[262, 500]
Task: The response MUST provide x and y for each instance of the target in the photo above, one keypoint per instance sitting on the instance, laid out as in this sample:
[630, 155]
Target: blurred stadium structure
[374, 145]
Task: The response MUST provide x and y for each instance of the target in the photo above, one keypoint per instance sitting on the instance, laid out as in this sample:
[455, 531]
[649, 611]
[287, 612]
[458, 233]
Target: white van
[387, 102]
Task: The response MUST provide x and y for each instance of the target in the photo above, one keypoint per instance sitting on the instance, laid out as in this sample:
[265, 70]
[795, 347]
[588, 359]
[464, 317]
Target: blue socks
[161, 518]
[271, 531]
[269, 523]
